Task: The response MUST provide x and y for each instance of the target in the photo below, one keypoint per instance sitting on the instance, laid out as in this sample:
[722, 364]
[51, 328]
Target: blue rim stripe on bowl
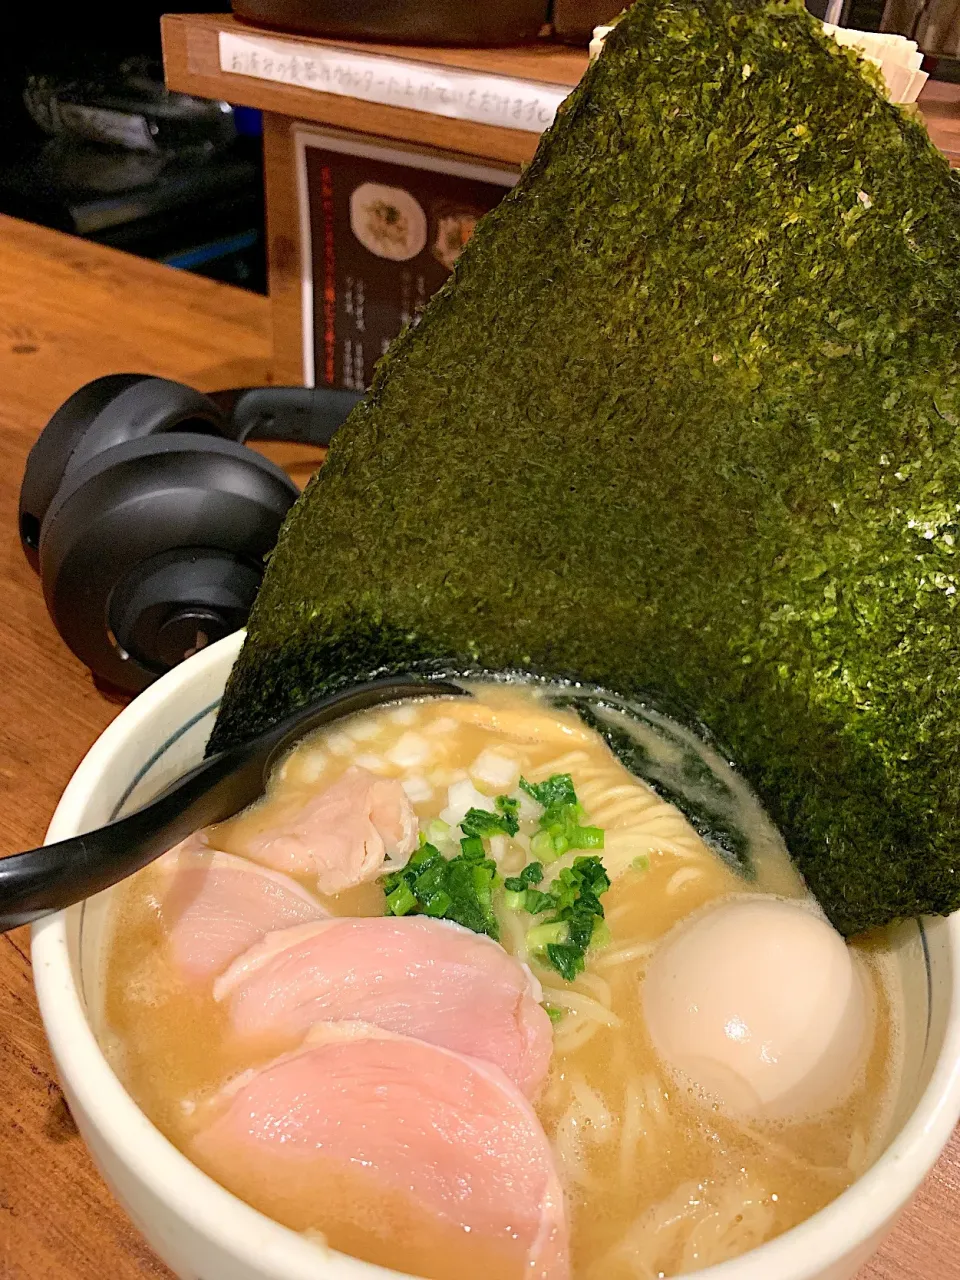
[158, 754]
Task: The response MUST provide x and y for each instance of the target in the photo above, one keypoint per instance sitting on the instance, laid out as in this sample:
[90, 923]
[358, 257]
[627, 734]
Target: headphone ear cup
[52, 449]
[100, 415]
[153, 536]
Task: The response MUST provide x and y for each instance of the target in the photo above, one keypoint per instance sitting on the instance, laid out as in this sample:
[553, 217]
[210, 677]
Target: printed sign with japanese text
[382, 234]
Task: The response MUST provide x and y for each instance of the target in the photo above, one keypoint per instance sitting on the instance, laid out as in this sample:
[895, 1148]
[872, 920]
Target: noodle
[552, 1097]
[636, 805]
[581, 1004]
[623, 846]
[656, 1100]
[635, 820]
[567, 1148]
[596, 986]
[610, 959]
[696, 1226]
[618, 913]
[793, 1158]
[680, 878]
[562, 764]
[632, 1131]
[522, 725]
[586, 1120]
[568, 1039]
[513, 934]
[593, 1109]
[741, 1220]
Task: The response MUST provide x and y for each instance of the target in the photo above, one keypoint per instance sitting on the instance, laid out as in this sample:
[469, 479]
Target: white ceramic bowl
[204, 1233]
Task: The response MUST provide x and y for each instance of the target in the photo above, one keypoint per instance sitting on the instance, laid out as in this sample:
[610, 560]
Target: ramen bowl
[203, 1232]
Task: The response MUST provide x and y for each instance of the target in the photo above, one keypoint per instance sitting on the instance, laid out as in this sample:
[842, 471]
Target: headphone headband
[301, 415]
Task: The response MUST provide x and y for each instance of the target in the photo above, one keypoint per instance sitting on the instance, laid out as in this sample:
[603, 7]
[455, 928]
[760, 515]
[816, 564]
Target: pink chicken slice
[414, 976]
[342, 836]
[452, 1137]
[215, 905]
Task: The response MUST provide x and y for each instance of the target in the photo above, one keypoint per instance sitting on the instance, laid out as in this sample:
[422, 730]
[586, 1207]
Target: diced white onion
[375, 764]
[529, 809]
[498, 848]
[409, 751]
[404, 715]
[418, 789]
[514, 860]
[443, 724]
[438, 833]
[311, 765]
[494, 769]
[364, 728]
[461, 796]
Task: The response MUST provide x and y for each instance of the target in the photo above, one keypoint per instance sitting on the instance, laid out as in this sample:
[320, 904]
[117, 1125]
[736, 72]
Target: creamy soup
[659, 1176]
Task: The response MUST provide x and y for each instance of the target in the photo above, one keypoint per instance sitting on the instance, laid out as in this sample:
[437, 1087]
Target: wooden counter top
[70, 311]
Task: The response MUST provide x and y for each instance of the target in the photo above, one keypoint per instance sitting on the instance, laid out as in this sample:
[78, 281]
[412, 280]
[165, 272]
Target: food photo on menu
[532, 851]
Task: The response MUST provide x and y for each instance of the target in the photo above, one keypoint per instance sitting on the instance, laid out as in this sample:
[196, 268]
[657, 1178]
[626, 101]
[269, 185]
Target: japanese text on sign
[460, 95]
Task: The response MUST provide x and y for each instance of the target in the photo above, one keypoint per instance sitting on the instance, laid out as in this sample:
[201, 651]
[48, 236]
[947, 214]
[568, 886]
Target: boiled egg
[760, 1004]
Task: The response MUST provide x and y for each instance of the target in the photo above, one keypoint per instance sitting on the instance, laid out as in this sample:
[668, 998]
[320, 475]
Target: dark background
[201, 212]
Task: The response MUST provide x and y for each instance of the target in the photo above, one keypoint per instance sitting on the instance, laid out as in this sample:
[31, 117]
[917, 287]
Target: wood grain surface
[71, 311]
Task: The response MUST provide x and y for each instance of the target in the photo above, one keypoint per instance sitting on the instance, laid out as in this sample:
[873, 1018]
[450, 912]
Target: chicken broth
[658, 1178]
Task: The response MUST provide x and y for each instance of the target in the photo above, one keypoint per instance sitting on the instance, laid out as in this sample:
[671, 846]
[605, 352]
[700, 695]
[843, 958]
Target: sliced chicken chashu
[352, 831]
[414, 976]
[402, 1152]
[215, 905]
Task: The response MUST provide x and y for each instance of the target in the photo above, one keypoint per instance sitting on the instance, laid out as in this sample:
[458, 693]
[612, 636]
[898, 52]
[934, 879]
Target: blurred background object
[934, 24]
[91, 142]
[574, 20]
[449, 22]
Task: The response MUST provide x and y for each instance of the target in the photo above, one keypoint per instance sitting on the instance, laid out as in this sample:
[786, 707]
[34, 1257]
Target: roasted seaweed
[683, 423]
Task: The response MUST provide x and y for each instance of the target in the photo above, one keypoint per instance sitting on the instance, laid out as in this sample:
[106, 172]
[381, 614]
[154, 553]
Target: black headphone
[147, 519]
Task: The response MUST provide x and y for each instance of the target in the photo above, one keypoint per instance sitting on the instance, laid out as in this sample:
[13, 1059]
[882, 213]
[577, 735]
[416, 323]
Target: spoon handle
[40, 881]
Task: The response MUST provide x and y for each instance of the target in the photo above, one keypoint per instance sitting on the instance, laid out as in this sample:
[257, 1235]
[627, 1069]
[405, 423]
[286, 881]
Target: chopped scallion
[543, 935]
[557, 789]
[541, 846]
[437, 831]
[401, 900]
[458, 889]
[566, 959]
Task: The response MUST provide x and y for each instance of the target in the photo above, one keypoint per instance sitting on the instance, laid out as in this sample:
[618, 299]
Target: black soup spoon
[40, 881]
